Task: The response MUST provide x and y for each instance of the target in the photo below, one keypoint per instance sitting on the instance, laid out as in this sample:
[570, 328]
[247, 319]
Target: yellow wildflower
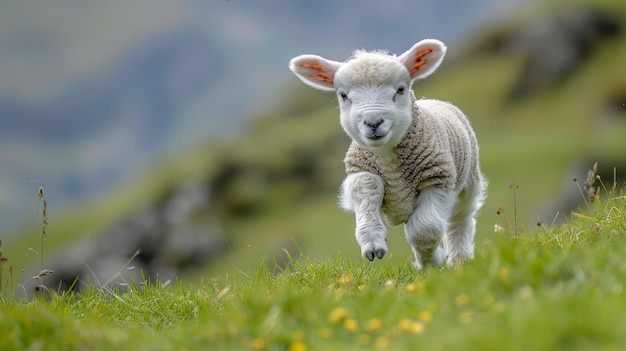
[325, 333]
[364, 339]
[461, 300]
[258, 344]
[350, 325]
[421, 285]
[404, 324]
[503, 273]
[297, 346]
[466, 317]
[425, 316]
[337, 315]
[345, 279]
[416, 327]
[374, 324]
[382, 343]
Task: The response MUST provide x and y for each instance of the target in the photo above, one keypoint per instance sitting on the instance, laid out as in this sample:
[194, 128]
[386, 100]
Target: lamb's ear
[315, 71]
[423, 58]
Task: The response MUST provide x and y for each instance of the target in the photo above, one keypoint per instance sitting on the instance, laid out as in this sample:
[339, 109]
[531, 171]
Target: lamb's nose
[372, 121]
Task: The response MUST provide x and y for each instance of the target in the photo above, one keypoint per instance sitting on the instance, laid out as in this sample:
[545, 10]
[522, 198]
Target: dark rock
[155, 242]
[615, 104]
[240, 187]
[554, 47]
[551, 47]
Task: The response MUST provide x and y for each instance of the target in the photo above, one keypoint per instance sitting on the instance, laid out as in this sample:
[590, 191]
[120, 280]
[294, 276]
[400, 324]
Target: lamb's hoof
[370, 255]
[380, 253]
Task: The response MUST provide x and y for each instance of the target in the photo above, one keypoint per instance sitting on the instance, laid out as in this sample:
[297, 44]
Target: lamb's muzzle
[374, 126]
[372, 120]
[414, 161]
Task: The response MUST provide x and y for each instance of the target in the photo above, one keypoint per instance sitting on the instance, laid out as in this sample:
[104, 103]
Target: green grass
[550, 288]
[532, 142]
[559, 288]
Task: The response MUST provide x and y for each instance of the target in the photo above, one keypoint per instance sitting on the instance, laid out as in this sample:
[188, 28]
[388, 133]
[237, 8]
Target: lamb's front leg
[362, 193]
[427, 226]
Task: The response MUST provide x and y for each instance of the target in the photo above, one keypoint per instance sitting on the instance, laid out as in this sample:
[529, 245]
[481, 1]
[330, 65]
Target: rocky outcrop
[552, 47]
[155, 242]
[183, 229]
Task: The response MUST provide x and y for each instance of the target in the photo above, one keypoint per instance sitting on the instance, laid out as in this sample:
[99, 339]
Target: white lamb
[415, 160]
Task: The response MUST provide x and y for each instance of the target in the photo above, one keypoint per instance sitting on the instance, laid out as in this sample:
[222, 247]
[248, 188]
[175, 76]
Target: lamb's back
[453, 135]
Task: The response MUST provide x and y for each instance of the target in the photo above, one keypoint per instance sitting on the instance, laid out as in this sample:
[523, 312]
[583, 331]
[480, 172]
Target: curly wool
[438, 150]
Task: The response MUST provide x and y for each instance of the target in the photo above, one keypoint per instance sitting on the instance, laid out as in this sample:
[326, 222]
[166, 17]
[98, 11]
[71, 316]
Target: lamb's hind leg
[459, 241]
[427, 226]
[362, 193]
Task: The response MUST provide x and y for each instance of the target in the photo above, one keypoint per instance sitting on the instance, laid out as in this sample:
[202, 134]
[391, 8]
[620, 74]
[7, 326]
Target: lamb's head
[373, 88]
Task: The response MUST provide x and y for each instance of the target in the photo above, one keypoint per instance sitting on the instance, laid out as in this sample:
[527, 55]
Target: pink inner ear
[319, 74]
[420, 60]
[314, 66]
[322, 77]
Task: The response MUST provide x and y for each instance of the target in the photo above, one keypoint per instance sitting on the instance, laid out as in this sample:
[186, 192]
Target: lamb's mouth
[375, 136]
[376, 139]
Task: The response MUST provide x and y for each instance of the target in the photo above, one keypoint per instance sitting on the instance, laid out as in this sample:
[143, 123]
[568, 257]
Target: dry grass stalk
[3, 259]
[590, 189]
[44, 235]
[514, 187]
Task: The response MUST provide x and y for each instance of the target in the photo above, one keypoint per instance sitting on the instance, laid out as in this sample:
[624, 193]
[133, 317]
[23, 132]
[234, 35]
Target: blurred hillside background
[175, 128]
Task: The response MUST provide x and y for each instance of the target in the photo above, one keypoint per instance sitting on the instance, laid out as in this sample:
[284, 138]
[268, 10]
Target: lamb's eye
[400, 90]
[343, 96]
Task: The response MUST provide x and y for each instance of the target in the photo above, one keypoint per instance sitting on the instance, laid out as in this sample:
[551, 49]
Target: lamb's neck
[384, 153]
[387, 160]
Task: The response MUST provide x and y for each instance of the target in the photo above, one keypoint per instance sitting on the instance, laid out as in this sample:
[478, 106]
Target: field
[292, 277]
[558, 289]
[533, 142]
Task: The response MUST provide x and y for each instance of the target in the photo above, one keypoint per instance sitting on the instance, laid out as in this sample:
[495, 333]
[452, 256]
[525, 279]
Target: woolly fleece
[439, 149]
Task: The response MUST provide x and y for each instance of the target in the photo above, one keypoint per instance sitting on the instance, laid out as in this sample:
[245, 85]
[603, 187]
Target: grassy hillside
[558, 289]
[290, 156]
[292, 277]
[533, 142]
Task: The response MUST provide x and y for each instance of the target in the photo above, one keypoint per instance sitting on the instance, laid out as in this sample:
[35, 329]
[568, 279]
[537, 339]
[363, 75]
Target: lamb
[413, 161]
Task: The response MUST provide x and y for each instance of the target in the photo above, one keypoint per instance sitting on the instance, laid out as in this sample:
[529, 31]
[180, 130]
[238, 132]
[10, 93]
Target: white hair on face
[366, 68]
[413, 162]
[362, 52]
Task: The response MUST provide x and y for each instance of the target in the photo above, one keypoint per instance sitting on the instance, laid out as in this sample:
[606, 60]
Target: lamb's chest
[399, 198]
